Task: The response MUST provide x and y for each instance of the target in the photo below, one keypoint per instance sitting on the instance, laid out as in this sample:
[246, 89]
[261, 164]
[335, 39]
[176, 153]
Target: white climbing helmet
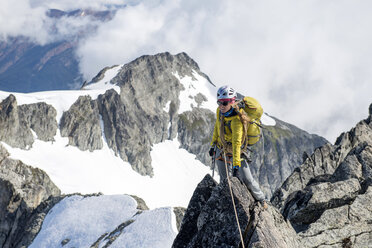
[226, 92]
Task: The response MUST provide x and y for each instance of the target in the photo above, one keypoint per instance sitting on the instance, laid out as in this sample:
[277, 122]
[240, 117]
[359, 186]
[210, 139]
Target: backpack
[252, 125]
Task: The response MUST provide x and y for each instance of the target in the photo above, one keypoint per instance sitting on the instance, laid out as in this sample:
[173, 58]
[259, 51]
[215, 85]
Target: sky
[308, 62]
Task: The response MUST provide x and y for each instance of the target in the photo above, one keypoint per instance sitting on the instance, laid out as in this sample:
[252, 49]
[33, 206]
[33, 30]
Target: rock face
[18, 122]
[81, 124]
[24, 200]
[210, 221]
[147, 85]
[124, 135]
[327, 199]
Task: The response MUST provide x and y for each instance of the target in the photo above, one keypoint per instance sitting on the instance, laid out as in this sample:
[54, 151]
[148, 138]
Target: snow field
[176, 172]
[84, 220]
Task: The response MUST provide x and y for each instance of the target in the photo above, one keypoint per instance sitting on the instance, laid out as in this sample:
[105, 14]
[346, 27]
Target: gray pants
[246, 175]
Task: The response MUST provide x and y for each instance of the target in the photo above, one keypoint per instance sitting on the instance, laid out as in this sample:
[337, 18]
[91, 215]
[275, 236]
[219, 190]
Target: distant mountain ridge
[29, 67]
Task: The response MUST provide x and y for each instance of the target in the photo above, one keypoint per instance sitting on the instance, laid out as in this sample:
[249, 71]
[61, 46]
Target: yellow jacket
[233, 134]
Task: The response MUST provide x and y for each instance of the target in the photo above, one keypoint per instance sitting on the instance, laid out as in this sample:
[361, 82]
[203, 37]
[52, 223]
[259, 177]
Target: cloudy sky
[308, 62]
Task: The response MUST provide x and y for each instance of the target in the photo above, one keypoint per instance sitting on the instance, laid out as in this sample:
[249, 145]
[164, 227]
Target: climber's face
[225, 104]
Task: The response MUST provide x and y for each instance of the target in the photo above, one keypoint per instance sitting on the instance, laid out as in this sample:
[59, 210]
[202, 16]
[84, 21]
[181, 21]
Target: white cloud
[308, 62]
[18, 18]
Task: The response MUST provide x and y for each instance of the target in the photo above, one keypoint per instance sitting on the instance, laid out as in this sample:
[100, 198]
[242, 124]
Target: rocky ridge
[327, 199]
[209, 220]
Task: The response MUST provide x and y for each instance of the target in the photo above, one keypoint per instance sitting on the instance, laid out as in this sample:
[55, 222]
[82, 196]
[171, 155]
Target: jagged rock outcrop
[81, 124]
[18, 122]
[124, 135]
[327, 199]
[279, 152]
[24, 192]
[210, 221]
[13, 131]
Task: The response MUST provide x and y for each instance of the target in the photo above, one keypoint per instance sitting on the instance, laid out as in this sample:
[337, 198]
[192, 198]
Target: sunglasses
[224, 103]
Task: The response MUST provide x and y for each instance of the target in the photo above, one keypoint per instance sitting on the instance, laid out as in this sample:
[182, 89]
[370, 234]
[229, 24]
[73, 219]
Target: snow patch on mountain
[267, 120]
[81, 221]
[195, 86]
[104, 83]
[176, 171]
[167, 107]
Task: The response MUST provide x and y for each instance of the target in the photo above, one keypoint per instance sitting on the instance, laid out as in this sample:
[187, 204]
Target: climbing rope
[233, 201]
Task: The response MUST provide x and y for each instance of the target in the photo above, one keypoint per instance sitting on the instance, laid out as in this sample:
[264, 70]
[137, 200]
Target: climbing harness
[233, 201]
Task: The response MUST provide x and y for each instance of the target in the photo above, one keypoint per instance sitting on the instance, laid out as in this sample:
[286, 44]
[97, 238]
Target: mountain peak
[102, 15]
